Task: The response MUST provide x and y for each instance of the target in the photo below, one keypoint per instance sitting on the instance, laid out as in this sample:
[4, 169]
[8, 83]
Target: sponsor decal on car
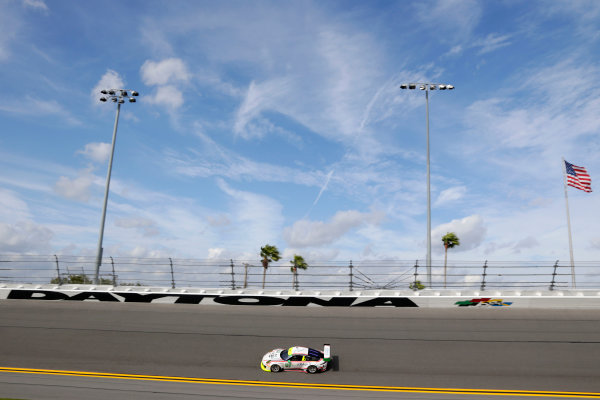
[486, 301]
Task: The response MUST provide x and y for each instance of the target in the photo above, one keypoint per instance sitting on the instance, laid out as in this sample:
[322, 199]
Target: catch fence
[345, 275]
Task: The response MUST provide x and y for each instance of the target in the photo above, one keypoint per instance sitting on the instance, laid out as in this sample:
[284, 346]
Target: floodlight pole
[427, 87]
[428, 260]
[117, 96]
[106, 190]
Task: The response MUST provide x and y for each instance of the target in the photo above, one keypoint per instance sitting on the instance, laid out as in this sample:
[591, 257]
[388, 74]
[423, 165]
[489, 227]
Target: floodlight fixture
[103, 99]
[412, 86]
[134, 93]
[404, 86]
[132, 100]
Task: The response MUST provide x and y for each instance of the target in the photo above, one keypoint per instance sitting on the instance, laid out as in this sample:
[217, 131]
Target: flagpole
[569, 223]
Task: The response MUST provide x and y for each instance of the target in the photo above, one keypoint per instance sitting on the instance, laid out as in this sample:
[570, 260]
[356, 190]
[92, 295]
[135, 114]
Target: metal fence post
[232, 276]
[172, 274]
[483, 275]
[112, 262]
[553, 283]
[246, 275]
[58, 271]
[351, 275]
[416, 274]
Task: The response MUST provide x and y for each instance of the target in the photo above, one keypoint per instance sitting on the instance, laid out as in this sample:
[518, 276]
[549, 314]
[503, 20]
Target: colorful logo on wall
[483, 302]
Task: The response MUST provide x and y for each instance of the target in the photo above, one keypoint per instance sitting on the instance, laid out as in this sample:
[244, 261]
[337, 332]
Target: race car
[296, 358]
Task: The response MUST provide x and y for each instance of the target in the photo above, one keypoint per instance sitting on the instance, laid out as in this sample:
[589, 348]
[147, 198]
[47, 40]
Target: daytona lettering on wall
[188, 298]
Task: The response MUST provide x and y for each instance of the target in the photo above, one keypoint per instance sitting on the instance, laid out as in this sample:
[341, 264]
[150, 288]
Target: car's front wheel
[311, 369]
[275, 368]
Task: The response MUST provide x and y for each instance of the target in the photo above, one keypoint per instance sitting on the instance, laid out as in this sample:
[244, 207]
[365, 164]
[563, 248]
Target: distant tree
[450, 240]
[268, 253]
[297, 262]
[79, 279]
[416, 285]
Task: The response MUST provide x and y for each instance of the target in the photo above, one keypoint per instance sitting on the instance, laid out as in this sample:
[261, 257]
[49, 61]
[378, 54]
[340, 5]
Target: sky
[282, 122]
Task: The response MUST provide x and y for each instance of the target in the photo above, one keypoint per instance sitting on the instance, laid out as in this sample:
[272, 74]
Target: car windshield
[284, 355]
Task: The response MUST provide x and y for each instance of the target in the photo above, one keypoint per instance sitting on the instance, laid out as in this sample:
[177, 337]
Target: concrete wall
[314, 298]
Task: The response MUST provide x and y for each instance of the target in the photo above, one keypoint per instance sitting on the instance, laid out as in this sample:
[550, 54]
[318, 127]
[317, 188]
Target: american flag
[578, 177]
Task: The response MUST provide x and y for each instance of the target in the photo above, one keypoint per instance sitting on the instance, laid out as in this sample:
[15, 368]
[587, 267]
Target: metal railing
[346, 275]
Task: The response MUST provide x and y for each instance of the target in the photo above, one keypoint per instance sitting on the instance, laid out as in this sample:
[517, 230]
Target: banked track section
[506, 351]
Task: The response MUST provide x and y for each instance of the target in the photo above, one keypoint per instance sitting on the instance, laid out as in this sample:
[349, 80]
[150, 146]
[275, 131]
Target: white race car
[297, 359]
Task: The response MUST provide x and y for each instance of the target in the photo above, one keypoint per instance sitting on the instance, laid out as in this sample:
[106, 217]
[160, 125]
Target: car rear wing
[326, 352]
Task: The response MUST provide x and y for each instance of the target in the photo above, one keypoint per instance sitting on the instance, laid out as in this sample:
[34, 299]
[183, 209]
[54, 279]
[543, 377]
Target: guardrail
[350, 275]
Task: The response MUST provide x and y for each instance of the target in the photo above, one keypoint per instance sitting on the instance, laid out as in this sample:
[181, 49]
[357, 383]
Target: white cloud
[110, 80]
[470, 230]
[12, 208]
[36, 4]
[258, 218]
[18, 233]
[450, 195]
[451, 20]
[215, 253]
[218, 220]
[306, 233]
[24, 237]
[144, 225]
[77, 188]
[97, 152]
[168, 96]
[165, 71]
[10, 29]
[526, 243]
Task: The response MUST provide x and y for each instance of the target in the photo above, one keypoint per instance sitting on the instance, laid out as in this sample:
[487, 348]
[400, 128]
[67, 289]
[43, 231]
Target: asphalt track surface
[489, 348]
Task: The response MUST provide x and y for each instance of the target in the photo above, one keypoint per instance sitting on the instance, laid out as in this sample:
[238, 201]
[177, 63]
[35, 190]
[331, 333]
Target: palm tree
[297, 262]
[268, 253]
[450, 240]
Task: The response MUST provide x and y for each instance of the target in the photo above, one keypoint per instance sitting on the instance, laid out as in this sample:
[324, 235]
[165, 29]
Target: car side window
[312, 358]
[296, 358]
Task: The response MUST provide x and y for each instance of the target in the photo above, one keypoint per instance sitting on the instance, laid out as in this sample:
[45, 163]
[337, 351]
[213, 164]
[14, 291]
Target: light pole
[426, 87]
[116, 96]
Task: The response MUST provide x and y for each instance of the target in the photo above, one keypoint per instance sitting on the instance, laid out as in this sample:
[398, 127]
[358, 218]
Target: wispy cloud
[450, 195]
[449, 20]
[36, 4]
[323, 188]
[36, 107]
[305, 233]
[216, 160]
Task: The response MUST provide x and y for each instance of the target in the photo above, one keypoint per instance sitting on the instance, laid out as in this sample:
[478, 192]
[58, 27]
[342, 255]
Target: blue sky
[283, 123]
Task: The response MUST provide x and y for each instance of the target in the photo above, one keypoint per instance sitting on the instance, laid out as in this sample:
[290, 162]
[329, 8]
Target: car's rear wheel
[311, 369]
[275, 368]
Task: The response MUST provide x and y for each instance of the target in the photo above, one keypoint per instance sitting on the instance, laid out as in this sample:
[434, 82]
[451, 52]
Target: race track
[487, 348]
